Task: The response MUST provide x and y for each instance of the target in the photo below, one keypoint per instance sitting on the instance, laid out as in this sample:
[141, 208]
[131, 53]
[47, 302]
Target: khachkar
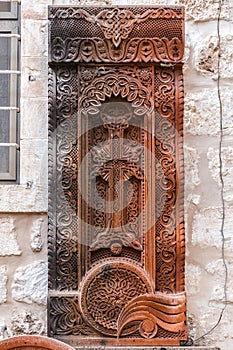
[116, 228]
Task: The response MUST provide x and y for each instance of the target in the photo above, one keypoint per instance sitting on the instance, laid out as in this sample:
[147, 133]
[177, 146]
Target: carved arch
[117, 84]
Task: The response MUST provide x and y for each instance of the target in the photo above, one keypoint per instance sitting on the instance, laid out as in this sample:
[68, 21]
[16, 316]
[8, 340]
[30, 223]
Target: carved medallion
[106, 289]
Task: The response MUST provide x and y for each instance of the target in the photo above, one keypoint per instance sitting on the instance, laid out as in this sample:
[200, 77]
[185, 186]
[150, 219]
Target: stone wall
[23, 207]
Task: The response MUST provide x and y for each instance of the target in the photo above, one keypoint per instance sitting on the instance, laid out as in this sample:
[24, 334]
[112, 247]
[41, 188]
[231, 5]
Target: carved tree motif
[116, 231]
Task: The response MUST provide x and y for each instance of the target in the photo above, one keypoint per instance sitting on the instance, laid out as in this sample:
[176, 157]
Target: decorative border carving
[52, 183]
[116, 24]
[112, 16]
[134, 50]
[113, 43]
[166, 181]
[180, 229]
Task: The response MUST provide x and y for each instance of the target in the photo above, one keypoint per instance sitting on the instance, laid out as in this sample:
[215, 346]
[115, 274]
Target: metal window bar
[18, 72]
[7, 35]
[4, 144]
[7, 108]
[18, 1]
[10, 72]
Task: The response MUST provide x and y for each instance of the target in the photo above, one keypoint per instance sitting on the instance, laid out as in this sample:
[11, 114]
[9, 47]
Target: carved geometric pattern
[116, 228]
[106, 289]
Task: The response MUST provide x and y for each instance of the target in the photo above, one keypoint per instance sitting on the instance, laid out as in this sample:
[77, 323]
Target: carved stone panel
[116, 228]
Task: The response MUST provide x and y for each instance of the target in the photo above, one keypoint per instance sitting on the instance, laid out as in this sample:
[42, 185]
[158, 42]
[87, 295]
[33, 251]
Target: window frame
[12, 14]
[11, 27]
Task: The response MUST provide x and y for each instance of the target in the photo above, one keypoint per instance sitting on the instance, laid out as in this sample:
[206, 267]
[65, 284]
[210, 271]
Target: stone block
[34, 38]
[33, 122]
[227, 169]
[199, 10]
[208, 318]
[206, 56]
[217, 270]
[8, 238]
[192, 159]
[202, 112]
[30, 11]
[36, 242]
[206, 230]
[193, 278]
[34, 159]
[26, 322]
[34, 77]
[3, 281]
[21, 198]
[30, 283]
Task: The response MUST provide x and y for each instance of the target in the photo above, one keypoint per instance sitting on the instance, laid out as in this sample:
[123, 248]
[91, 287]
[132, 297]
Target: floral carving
[116, 84]
[118, 35]
[133, 50]
[65, 317]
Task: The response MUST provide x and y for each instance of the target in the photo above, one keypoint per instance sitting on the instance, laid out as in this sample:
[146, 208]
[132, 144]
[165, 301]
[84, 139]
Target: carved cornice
[132, 35]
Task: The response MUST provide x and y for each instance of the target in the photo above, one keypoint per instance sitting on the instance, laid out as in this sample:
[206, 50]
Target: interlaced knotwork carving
[107, 289]
[116, 230]
[116, 35]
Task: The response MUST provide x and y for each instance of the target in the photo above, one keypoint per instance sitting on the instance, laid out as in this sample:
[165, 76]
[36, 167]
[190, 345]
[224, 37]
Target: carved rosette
[106, 289]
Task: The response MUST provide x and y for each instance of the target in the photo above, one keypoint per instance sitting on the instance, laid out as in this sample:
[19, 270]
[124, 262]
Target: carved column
[116, 226]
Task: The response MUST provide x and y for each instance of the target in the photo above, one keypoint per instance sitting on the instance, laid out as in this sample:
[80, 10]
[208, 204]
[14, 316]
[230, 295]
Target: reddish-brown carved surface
[32, 342]
[116, 227]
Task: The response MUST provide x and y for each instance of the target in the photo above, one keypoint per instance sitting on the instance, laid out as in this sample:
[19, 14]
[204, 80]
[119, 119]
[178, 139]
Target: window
[9, 79]
[8, 9]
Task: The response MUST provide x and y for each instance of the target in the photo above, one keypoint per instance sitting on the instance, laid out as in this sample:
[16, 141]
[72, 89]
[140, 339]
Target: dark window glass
[5, 6]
